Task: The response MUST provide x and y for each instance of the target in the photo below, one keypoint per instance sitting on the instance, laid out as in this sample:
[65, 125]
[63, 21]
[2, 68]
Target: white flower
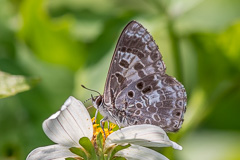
[73, 122]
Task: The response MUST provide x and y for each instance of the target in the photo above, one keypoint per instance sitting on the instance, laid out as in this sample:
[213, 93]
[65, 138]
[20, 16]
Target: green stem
[175, 45]
[174, 39]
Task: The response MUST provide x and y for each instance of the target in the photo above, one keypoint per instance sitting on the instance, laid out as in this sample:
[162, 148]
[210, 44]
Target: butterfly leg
[119, 126]
[102, 125]
[95, 117]
[108, 125]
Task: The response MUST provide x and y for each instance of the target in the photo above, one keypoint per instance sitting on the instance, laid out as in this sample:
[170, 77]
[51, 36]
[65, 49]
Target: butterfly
[137, 89]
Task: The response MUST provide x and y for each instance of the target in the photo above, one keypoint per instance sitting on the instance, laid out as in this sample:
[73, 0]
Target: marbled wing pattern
[154, 99]
[137, 90]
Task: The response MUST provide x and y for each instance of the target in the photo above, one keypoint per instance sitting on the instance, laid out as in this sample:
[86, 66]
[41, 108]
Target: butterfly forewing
[137, 90]
[135, 54]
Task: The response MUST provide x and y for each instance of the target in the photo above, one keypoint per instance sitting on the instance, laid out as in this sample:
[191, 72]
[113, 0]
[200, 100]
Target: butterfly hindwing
[154, 99]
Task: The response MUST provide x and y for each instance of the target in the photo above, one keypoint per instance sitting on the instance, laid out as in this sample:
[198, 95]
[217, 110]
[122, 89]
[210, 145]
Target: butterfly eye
[99, 101]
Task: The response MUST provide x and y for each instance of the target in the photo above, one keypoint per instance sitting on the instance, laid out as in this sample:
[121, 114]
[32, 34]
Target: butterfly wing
[136, 55]
[155, 99]
[137, 78]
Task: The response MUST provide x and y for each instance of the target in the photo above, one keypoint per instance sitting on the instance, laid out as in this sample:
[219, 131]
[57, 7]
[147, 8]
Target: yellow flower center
[97, 129]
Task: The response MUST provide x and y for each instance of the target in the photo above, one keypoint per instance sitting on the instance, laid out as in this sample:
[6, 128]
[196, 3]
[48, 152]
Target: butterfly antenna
[91, 90]
[86, 100]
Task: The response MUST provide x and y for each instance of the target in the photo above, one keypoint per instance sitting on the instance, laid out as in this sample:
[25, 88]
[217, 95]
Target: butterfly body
[137, 89]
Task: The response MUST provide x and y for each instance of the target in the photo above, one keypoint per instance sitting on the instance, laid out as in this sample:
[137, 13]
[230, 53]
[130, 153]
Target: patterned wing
[137, 90]
[136, 56]
[155, 99]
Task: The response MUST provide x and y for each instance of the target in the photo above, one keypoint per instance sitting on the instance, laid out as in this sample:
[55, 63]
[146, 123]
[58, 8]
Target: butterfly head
[97, 101]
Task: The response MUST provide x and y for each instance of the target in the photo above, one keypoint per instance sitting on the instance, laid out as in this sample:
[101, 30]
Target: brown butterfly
[137, 89]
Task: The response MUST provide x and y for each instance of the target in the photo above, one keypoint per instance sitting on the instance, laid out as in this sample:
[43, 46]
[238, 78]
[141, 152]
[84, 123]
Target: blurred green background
[69, 43]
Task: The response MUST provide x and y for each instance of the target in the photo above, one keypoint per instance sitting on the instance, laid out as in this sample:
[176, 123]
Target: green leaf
[116, 149]
[79, 151]
[51, 41]
[227, 41]
[208, 14]
[13, 84]
[87, 145]
[99, 142]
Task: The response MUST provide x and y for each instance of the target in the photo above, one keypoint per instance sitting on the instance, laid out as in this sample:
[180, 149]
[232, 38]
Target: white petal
[176, 146]
[143, 135]
[68, 125]
[53, 152]
[140, 153]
